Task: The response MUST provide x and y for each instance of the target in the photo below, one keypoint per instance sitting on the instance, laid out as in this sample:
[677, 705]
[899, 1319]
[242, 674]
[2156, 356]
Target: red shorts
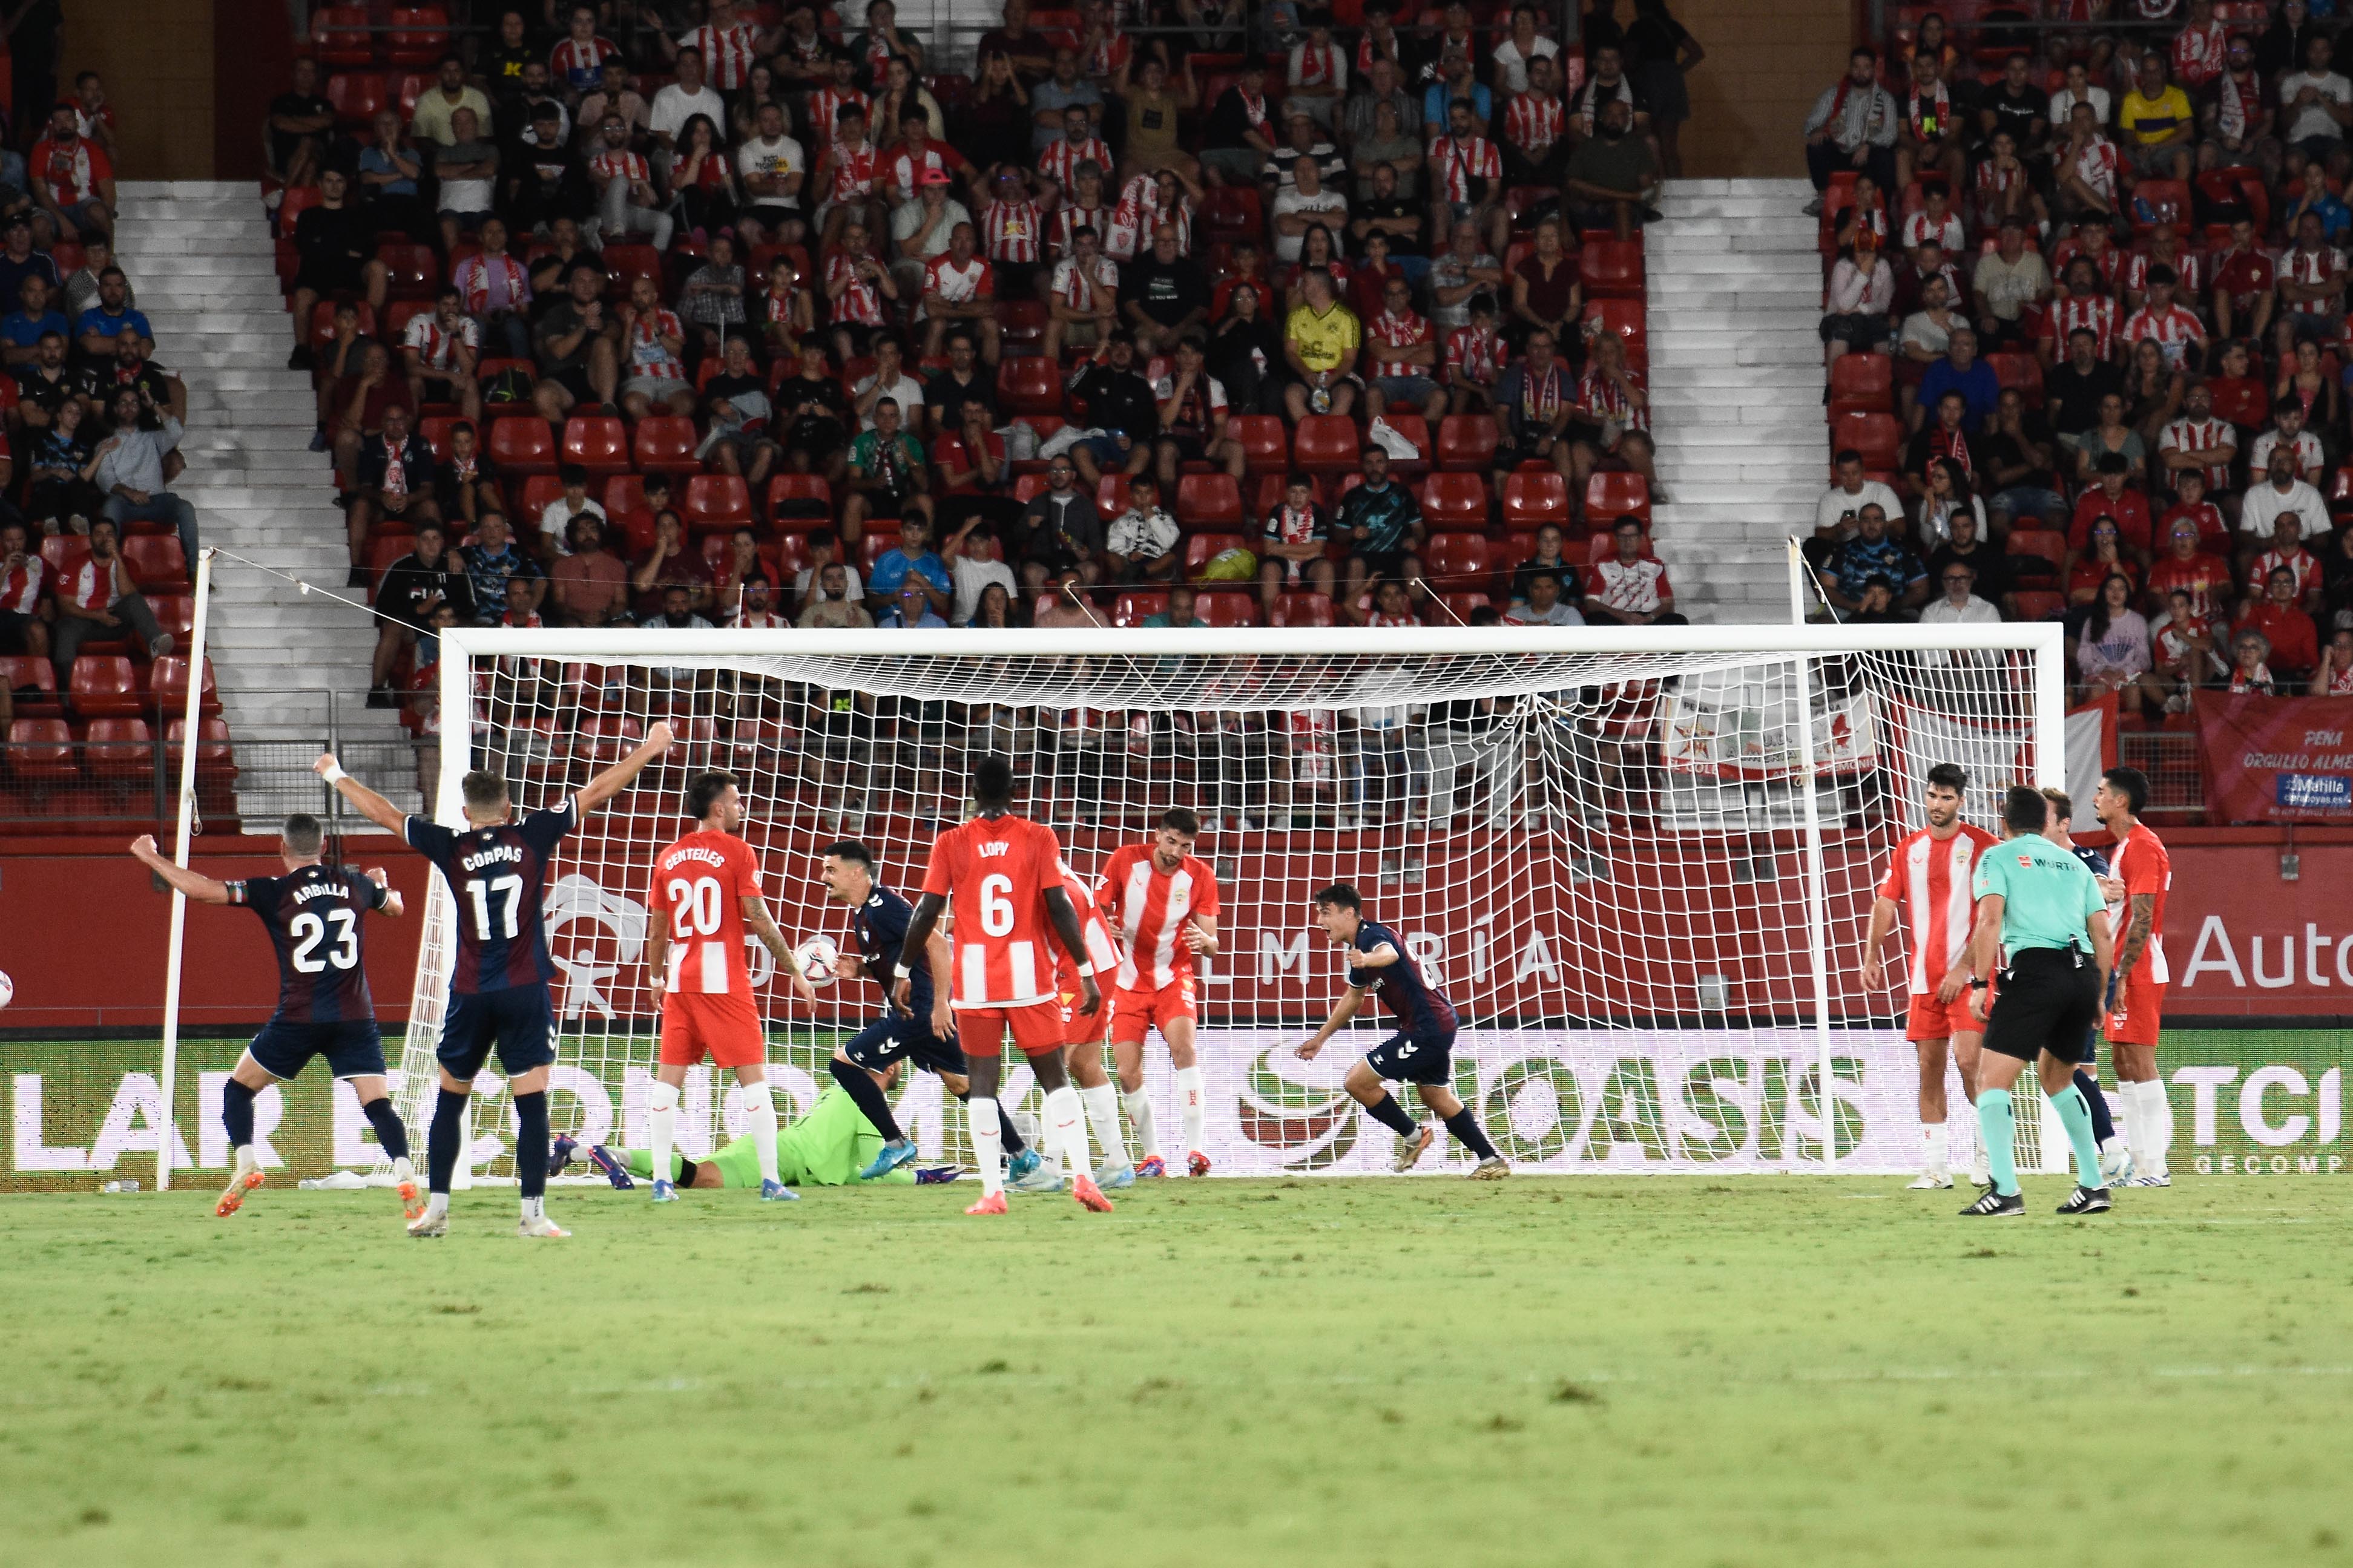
[1933, 1020]
[2139, 1002]
[1037, 1028]
[726, 1026]
[1083, 1028]
[1132, 1013]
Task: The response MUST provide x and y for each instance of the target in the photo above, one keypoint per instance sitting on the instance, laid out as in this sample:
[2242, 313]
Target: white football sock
[1139, 1111]
[2120, 1111]
[1065, 1131]
[988, 1144]
[436, 1205]
[1932, 1148]
[1192, 1103]
[661, 1125]
[1102, 1115]
[762, 1104]
[2152, 1126]
[534, 1208]
[402, 1171]
[246, 1162]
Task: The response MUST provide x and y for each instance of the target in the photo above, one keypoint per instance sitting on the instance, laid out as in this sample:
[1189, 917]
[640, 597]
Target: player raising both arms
[1003, 873]
[1420, 1053]
[1930, 873]
[497, 872]
[1162, 900]
[312, 914]
[710, 881]
[924, 1036]
[2140, 874]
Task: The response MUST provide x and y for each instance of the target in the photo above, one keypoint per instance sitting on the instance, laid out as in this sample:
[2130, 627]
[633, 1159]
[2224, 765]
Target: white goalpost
[1639, 862]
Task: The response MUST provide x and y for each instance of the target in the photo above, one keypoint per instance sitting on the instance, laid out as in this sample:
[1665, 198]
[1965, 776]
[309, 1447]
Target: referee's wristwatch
[1976, 985]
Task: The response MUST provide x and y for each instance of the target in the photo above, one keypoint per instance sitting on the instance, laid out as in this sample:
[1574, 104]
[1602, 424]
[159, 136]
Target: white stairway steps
[287, 664]
[1733, 283]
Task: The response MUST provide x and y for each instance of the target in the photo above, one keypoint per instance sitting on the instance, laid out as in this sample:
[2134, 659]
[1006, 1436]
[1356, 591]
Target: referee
[2041, 910]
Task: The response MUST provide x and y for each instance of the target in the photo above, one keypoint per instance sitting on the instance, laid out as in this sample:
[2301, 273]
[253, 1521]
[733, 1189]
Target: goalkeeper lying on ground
[826, 1148]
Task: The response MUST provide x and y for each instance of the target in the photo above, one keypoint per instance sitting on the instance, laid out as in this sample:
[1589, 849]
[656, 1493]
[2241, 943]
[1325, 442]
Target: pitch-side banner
[2276, 759]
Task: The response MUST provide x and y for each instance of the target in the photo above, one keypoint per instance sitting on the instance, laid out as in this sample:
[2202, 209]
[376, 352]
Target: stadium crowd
[767, 315]
[2085, 314]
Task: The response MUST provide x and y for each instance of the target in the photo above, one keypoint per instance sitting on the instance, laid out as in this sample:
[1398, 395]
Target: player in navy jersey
[497, 870]
[2116, 1161]
[924, 1036]
[313, 915]
[1420, 1053]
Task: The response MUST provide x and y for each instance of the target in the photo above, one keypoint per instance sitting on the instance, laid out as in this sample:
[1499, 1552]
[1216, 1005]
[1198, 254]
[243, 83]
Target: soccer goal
[1639, 861]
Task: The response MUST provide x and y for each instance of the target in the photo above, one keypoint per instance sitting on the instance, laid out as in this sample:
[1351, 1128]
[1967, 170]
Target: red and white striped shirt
[2187, 435]
[648, 355]
[862, 303]
[2108, 261]
[2096, 166]
[2301, 266]
[2174, 329]
[1094, 932]
[1533, 123]
[2189, 272]
[1061, 162]
[1637, 589]
[854, 170]
[2096, 314]
[620, 164]
[1074, 286]
[1150, 907]
[1109, 55]
[1140, 211]
[1607, 398]
[2200, 54]
[90, 584]
[906, 171]
[1994, 182]
[1461, 163]
[1922, 229]
[1398, 331]
[1013, 230]
[579, 64]
[20, 590]
[2302, 563]
[1068, 219]
[436, 347]
[1479, 358]
[975, 279]
[824, 109]
[994, 872]
[727, 52]
[1931, 880]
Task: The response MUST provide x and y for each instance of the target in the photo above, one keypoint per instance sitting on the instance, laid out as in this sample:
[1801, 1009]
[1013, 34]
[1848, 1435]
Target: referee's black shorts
[2048, 1000]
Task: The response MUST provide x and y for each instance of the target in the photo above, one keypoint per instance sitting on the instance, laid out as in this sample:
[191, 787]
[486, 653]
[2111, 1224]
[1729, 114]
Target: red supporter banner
[2276, 759]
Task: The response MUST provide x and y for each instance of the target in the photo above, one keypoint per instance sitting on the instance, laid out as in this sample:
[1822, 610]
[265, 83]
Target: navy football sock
[1470, 1134]
[236, 1113]
[390, 1132]
[530, 1143]
[1391, 1115]
[441, 1143]
[860, 1085]
[2104, 1126]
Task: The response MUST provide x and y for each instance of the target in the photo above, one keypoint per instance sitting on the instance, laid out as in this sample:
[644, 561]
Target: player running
[925, 1038]
[312, 914]
[1420, 1053]
[1930, 872]
[2115, 1162]
[1002, 872]
[2140, 875]
[824, 1149]
[496, 871]
[710, 880]
[1083, 1033]
[1163, 900]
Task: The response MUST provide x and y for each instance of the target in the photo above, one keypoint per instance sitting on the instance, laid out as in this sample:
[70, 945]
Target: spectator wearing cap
[131, 468]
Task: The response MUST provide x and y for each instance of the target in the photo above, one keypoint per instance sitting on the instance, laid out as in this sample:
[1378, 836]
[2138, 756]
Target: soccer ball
[817, 957]
[8, 989]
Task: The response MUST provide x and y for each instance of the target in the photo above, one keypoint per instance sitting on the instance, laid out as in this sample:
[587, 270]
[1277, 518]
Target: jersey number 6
[995, 908]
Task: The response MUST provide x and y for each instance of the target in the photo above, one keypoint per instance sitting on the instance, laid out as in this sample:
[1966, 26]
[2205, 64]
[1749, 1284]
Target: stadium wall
[159, 61]
[1766, 65]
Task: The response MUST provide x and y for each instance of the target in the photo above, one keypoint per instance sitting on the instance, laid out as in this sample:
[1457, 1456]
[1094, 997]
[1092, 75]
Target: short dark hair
[2130, 783]
[303, 833]
[2023, 809]
[702, 791]
[571, 474]
[1848, 455]
[2062, 806]
[1182, 821]
[1951, 776]
[1340, 896]
[849, 849]
[483, 789]
[992, 780]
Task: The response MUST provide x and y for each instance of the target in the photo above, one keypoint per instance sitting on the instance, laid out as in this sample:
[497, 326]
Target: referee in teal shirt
[2042, 920]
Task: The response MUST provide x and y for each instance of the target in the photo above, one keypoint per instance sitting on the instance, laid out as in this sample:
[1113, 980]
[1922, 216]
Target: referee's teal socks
[2075, 1115]
[1999, 1129]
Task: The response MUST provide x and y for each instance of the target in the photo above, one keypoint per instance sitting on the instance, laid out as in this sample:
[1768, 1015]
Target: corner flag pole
[167, 1134]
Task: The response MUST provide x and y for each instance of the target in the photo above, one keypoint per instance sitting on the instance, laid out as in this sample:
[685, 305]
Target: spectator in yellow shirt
[1320, 342]
[2157, 123]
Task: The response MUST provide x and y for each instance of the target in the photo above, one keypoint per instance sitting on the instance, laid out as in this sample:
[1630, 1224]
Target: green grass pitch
[1596, 1371]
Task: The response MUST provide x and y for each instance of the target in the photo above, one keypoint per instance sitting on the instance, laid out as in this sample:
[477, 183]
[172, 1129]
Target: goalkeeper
[826, 1148]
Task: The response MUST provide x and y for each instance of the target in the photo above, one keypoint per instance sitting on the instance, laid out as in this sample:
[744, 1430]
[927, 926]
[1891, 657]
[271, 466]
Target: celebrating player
[2140, 875]
[1083, 1033]
[865, 1064]
[2040, 921]
[2115, 1162]
[1930, 871]
[1420, 1053]
[1003, 874]
[826, 1148]
[312, 914]
[497, 872]
[711, 881]
[1162, 900]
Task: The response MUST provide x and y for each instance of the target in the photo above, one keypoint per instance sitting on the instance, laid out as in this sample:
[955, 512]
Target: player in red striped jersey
[1930, 872]
[1084, 1034]
[1163, 902]
[2140, 874]
[1002, 871]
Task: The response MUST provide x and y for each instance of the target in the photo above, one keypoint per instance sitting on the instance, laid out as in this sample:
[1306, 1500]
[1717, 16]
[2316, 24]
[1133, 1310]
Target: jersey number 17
[508, 891]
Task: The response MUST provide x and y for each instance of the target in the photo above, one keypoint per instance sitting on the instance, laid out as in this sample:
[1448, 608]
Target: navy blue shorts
[352, 1047]
[891, 1038]
[1404, 1058]
[521, 1021]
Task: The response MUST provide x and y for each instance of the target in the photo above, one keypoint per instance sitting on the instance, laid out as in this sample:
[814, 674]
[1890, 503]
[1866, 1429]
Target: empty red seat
[1467, 442]
[1231, 606]
[1862, 383]
[624, 264]
[800, 496]
[119, 749]
[175, 613]
[598, 442]
[1030, 384]
[356, 96]
[1209, 501]
[1265, 448]
[1131, 608]
[168, 684]
[1877, 437]
[665, 445]
[537, 491]
[1454, 609]
[1457, 560]
[609, 737]
[415, 276]
[213, 754]
[156, 560]
[1021, 324]
[1531, 500]
[2166, 202]
[1110, 494]
[1232, 213]
[340, 36]
[1611, 269]
[419, 35]
[522, 444]
[2041, 551]
[716, 501]
[2023, 372]
[41, 751]
[1455, 501]
[104, 685]
[1325, 444]
[2039, 605]
[1299, 608]
[872, 545]
[1609, 496]
[33, 680]
[1201, 549]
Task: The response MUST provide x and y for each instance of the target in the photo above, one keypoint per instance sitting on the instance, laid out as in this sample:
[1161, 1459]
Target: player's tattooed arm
[2138, 924]
[2104, 945]
[1066, 926]
[1346, 1009]
[392, 904]
[364, 800]
[204, 890]
[763, 926]
[617, 777]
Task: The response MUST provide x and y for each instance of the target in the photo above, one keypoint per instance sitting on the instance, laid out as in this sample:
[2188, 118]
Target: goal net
[1640, 862]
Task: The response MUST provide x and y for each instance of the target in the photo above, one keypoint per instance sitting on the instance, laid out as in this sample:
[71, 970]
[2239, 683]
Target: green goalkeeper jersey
[826, 1148]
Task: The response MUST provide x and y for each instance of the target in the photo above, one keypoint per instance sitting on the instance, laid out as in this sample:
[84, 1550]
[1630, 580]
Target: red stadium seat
[799, 497]
[407, 88]
[1265, 448]
[872, 546]
[1110, 494]
[1609, 496]
[322, 322]
[167, 682]
[665, 445]
[1877, 437]
[624, 494]
[1031, 385]
[356, 96]
[340, 36]
[1326, 443]
[2023, 372]
[1229, 607]
[1455, 501]
[1209, 501]
[33, 680]
[292, 203]
[716, 501]
[1232, 213]
[41, 752]
[416, 275]
[2039, 605]
[1200, 549]
[522, 444]
[155, 561]
[119, 749]
[626, 263]
[1862, 383]
[1630, 320]
[1414, 428]
[213, 754]
[537, 491]
[104, 685]
[1298, 609]
[1457, 560]
[609, 737]
[2166, 202]
[2036, 553]
[419, 35]
[1454, 609]
[65, 553]
[1022, 325]
[1130, 609]
[1026, 486]
[1467, 443]
[1611, 269]
[1530, 500]
[174, 613]
[436, 428]
[598, 442]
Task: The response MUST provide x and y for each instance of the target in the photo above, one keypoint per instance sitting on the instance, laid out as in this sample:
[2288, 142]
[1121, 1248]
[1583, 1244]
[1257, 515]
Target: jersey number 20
[694, 910]
[309, 931]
